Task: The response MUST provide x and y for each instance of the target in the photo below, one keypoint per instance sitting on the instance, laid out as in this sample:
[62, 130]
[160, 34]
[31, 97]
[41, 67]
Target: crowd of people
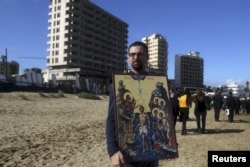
[182, 101]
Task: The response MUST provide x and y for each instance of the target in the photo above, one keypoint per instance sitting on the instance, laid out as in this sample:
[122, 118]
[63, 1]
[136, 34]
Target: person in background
[243, 105]
[200, 110]
[217, 102]
[137, 57]
[230, 104]
[247, 105]
[184, 102]
[237, 105]
[174, 104]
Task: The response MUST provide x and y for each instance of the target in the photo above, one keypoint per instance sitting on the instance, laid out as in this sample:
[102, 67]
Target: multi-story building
[189, 70]
[236, 89]
[158, 53]
[84, 39]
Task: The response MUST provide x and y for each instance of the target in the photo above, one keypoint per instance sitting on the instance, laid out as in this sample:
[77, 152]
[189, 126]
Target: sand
[69, 131]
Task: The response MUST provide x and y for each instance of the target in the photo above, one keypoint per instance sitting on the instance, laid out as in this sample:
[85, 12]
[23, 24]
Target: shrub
[60, 93]
[88, 96]
[23, 97]
[42, 94]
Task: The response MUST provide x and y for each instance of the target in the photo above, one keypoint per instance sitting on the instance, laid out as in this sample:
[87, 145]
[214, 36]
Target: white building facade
[158, 53]
[237, 89]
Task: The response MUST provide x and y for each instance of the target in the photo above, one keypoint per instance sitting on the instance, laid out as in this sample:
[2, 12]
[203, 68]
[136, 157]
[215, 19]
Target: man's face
[137, 58]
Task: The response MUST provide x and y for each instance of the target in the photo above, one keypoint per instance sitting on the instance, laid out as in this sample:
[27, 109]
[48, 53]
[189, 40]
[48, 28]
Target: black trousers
[184, 112]
[231, 115]
[217, 113]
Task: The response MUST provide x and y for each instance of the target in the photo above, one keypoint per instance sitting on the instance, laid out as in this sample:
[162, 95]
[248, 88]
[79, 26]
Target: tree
[209, 89]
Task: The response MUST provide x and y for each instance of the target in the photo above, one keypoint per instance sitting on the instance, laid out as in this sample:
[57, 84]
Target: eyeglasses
[133, 54]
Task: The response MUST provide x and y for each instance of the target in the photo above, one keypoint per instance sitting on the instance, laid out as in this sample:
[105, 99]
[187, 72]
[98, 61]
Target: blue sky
[218, 29]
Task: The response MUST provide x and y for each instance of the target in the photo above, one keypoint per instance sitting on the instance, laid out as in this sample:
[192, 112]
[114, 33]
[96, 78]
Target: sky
[218, 29]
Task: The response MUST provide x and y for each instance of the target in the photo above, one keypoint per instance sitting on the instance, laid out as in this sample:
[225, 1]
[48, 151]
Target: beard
[137, 65]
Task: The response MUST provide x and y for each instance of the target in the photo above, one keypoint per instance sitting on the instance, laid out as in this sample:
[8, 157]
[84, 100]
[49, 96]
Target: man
[174, 104]
[218, 102]
[230, 105]
[137, 57]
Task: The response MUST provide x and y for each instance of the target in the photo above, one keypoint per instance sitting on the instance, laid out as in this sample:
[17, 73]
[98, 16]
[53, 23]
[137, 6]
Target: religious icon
[144, 117]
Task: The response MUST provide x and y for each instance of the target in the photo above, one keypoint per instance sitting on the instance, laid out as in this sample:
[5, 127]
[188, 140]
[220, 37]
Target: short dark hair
[139, 43]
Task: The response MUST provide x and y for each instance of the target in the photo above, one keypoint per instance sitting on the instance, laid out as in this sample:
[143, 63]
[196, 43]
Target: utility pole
[6, 65]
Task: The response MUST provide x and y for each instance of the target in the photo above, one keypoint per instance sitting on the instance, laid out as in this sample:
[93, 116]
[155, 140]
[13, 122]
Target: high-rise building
[84, 39]
[189, 70]
[158, 53]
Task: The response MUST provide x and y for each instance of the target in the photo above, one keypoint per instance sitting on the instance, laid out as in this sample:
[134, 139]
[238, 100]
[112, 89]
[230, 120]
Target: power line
[32, 57]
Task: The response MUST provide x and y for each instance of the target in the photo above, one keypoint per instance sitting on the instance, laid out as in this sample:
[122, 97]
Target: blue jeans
[143, 164]
[201, 116]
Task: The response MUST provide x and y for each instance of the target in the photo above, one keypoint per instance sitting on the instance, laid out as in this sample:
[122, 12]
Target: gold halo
[162, 100]
[163, 113]
[128, 93]
[153, 113]
[155, 98]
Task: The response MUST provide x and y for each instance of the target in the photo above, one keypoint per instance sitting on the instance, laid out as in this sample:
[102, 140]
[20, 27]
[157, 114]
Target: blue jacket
[112, 145]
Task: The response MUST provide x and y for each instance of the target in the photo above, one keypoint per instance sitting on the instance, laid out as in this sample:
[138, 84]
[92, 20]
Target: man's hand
[117, 159]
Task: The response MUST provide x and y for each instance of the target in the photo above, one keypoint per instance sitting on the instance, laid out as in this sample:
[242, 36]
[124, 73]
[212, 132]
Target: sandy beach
[69, 131]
